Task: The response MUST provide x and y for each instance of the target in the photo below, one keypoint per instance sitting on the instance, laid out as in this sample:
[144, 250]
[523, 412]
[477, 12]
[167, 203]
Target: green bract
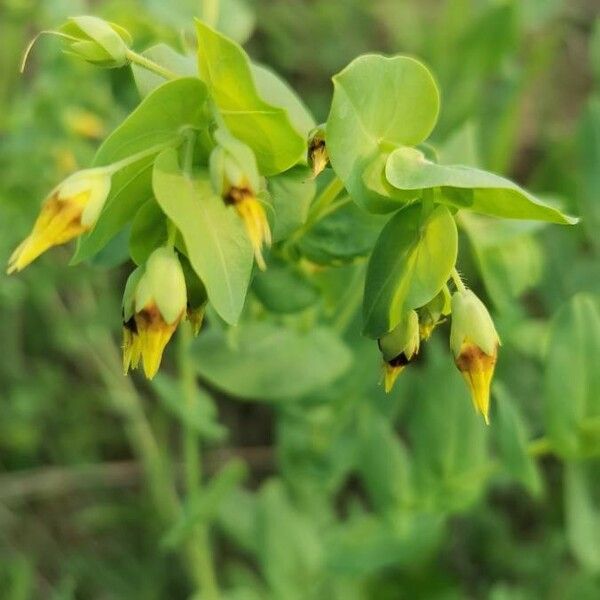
[378, 104]
[411, 261]
[214, 237]
[480, 191]
[266, 128]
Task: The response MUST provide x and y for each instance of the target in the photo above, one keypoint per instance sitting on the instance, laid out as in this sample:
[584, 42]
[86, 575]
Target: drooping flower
[153, 305]
[69, 210]
[433, 313]
[399, 347]
[474, 343]
[235, 178]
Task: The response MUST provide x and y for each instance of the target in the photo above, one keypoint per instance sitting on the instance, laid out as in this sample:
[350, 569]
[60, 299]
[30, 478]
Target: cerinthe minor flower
[68, 211]
[154, 303]
[399, 347]
[235, 177]
[474, 343]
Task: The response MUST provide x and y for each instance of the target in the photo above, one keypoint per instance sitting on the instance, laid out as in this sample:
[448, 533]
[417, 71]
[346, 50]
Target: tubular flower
[474, 343]
[70, 209]
[399, 347]
[153, 305]
[235, 178]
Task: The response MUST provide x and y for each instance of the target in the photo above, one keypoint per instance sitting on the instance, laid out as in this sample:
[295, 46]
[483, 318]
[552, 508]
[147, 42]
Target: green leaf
[148, 231]
[572, 398]
[510, 431]
[289, 545]
[378, 103]
[448, 441]
[284, 289]
[346, 234]
[408, 169]
[214, 235]
[202, 508]
[162, 54]
[278, 92]
[270, 363]
[582, 512]
[410, 263]
[290, 195]
[200, 416]
[225, 68]
[157, 121]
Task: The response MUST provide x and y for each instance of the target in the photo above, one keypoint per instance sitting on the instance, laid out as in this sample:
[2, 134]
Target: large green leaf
[411, 261]
[156, 121]
[408, 169]
[572, 398]
[267, 129]
[215, 239]
[378, 103]
[148, 231]
[268, 362]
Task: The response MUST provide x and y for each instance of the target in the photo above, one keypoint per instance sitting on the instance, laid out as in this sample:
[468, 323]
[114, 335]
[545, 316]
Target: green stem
[200, 541]
[458, 282]
[320, 208]
[129, 160]
[150, 65]
[539, 447]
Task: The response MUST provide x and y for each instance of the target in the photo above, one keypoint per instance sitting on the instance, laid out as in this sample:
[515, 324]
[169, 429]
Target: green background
[326, 488]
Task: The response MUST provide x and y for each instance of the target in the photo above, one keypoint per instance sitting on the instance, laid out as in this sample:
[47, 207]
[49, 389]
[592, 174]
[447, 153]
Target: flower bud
[318, 159]
[96, 41]
[399, 347]
[156, 300]
[433, 313]
[234, 175]
[197, 297]
[69, 210]
[474, 343]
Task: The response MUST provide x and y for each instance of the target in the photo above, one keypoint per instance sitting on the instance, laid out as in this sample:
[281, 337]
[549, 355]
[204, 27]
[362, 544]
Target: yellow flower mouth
[250, 209]
[132, 347]
[477, 368]
[154, 335]
[59, 222]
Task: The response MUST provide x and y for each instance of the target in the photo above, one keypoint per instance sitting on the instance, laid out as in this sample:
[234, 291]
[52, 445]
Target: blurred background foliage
[325, 487]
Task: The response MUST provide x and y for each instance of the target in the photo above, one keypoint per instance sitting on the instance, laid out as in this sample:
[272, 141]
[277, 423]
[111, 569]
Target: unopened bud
[433, 313]
[474, 343]
[399, 347]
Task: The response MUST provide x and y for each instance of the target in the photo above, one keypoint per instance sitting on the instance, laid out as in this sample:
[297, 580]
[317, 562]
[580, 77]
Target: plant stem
[192, 466]
[150, 65]
[321, 207]
[539, 447]
[128, 160]
[458, 282]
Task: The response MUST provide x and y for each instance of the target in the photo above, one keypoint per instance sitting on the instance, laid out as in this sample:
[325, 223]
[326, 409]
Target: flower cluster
[473, 340]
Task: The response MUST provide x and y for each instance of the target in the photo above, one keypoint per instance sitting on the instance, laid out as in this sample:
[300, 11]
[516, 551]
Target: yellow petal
[390, 374]
[477, 368]
[154, 335]
[132, 348]
[257, 226]
[59, 222]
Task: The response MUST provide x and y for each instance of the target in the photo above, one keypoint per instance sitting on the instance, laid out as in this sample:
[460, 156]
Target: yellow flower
[399, 347]
[255, 221]
[70, 209]
[234, 175]
[474, 343]
[154, 302]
